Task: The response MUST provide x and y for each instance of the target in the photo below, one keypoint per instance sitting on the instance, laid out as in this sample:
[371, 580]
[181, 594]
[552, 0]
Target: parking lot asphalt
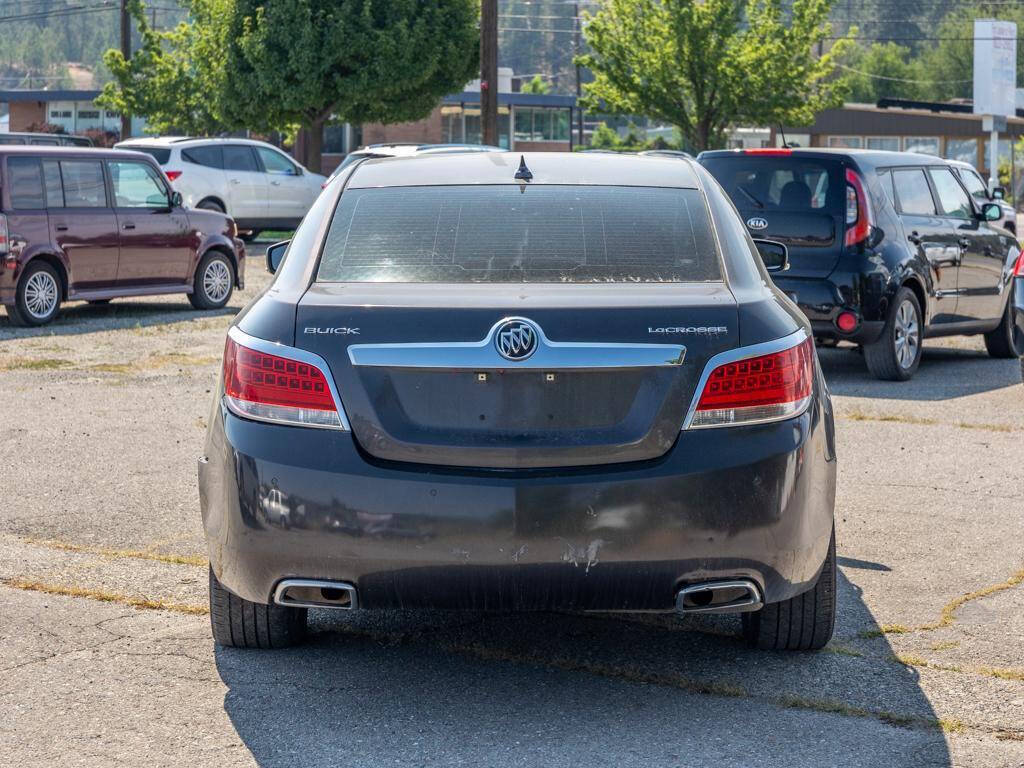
[106, 656]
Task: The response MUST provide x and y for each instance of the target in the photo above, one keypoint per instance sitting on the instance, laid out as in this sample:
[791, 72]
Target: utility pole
[489, 71]
[126, 51]
[577, 23]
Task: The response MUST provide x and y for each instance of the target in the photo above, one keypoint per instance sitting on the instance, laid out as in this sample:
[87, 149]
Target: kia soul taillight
[859, 216]
[277, 388]
[768, 387]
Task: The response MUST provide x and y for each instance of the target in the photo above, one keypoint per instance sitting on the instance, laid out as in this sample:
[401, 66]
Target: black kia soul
[885, 248]
[558, 382]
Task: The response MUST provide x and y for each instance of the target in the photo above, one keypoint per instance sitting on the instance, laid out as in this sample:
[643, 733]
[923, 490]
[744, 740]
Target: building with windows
[948, 130]
[72, 110]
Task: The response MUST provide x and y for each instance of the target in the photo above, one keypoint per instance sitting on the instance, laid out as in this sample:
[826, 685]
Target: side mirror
[991, 212]
[176, 200]
[275, 255]
[774, 254]
[998, 193]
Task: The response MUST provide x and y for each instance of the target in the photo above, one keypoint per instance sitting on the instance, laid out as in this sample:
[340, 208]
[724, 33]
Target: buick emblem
[756, 222]
[516, 339]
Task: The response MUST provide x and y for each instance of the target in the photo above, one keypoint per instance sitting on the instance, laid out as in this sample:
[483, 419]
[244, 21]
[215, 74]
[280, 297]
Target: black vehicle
[561, 381]
[886, 248]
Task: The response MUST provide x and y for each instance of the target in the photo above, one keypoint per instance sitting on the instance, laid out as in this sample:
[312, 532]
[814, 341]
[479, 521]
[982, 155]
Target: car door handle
[275, 183]
[914, 238]
[61, 227]
[128, 225]
[236, 181]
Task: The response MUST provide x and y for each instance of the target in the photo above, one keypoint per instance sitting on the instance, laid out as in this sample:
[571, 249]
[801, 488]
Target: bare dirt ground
[106, 657]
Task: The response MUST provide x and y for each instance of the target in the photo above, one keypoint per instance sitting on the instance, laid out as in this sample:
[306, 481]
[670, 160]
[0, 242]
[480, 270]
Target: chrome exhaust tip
[310, 593]
[733, 596]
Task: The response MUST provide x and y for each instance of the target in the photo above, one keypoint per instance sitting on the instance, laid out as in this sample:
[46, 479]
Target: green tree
[302, 61]
[172, 78]
[704, 65]
[536, 85]
[882, 70]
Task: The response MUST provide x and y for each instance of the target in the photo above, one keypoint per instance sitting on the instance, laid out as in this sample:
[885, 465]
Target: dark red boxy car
[93, 225]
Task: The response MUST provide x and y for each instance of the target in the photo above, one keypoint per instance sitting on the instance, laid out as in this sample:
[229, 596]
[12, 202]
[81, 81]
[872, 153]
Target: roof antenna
[785, 144]
[523, 173]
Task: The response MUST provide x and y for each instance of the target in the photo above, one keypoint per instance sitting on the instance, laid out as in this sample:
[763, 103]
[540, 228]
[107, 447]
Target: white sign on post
[995, 67]
[995, 80]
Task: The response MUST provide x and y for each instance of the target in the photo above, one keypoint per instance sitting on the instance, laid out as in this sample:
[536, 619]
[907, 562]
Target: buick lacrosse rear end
[521, 383]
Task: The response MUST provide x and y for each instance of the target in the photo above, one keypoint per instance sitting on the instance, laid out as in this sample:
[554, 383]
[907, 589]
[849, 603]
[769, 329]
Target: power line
[903, 79]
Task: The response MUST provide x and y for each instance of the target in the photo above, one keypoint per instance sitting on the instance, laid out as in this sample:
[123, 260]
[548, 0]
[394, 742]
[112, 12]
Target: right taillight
[172, 175]
[277, 388]
[859, 216]
[4, 245]
[760, 388]
[1018, 270]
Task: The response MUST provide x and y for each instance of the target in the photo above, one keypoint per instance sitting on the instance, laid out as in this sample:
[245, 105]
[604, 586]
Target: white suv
[255, 183]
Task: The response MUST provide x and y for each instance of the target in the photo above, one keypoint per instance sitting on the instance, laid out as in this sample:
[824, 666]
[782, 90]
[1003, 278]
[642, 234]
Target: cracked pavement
[105, 658]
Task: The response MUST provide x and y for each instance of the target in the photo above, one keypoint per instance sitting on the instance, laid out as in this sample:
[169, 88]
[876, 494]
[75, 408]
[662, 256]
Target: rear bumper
[823, 299]
[753, 502]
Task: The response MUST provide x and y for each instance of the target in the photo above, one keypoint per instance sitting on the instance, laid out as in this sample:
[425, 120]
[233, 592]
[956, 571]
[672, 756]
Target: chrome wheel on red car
[38, 296]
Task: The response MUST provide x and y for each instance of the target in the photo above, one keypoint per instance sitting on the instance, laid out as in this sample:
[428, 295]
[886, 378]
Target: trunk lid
[422, 381]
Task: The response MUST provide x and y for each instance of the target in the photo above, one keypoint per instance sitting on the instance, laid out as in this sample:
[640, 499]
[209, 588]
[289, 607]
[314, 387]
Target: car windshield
[513, 233]
[160, 154]
[767, 182]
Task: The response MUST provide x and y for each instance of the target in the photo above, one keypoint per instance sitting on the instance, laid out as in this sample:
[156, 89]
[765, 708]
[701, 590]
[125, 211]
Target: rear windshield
[160, 154]
[783, 182]
[513, 233]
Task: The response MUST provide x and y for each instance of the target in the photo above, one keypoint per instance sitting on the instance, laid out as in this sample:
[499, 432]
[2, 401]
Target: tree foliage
[882, 70]
[536, 84]
[300, 61]
[705, 65]
[170, 79]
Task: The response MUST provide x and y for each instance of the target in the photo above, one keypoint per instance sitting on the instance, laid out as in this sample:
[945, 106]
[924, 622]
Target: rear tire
[214, 281]
[249, 236]
[1005, 341]
[897, 353]
[802, 623]
[239, 623]
[211, 205]
[37, 298]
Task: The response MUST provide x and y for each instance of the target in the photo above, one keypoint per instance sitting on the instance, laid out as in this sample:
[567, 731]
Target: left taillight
[859, 216]
[172, 175]
[277, 388]
[760, 388]
[1018, 270]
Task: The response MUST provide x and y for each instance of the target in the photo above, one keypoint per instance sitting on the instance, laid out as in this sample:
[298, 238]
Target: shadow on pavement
[428, 688]
[78, 317]
[944, 373]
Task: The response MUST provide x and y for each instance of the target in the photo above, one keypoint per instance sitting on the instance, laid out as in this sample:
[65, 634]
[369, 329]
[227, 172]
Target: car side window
[83, 184]
[276, 163]
[210, 156]
[912, 192]
[136, 185]
[975, 186]
[953, 200]
[239, 158]
[25, 179]
[885, 179]
[54, 188]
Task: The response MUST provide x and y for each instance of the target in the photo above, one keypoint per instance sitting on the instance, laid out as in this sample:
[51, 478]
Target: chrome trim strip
[734, 356]
[274, 348]
[752, 602]
[284, 584]
[549, 356]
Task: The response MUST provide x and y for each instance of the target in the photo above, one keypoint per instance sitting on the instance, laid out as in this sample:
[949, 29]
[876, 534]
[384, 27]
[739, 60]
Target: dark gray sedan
[555, 381]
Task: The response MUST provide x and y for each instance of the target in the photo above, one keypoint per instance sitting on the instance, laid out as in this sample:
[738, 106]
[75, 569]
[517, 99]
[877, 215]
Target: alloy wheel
[216, 280]
[41, 295]
[907, 339]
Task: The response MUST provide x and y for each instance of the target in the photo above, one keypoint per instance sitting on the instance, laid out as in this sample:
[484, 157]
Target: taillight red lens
[859, 216]
[172, 175]
[1018, 271]
[4, 245]
[762, 388]
[274, 387]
